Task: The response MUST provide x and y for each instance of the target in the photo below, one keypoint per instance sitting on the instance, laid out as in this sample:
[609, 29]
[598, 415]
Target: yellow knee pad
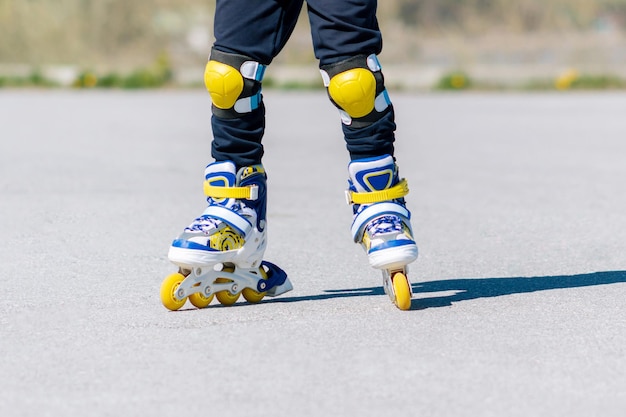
[356, 87]
[354, 91]
[234, 83]
[225, 84]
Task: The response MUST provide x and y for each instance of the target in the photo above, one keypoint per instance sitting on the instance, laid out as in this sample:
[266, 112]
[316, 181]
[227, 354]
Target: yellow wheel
[168, 291]
[402, 290]
[225, 297]
[199, 300]
[253, 296]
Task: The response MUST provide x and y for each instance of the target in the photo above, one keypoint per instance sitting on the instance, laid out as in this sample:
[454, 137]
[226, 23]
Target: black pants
[259, 29]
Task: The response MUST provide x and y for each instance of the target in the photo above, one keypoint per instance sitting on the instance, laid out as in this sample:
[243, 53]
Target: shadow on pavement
[427, 294]
[470, 289]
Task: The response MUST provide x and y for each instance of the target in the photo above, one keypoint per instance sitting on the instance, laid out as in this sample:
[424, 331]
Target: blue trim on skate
[275, 277]
[391, 244]
[186, 244]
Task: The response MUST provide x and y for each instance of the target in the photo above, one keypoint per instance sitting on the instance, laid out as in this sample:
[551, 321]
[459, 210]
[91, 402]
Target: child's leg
[347, 40]
[248, 35]
[221, 251]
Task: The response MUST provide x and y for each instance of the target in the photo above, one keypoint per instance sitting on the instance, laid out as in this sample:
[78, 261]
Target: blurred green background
[445, 44]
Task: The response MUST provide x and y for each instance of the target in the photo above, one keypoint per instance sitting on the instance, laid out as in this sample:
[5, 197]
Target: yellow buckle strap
[398, 191]
[247, 193]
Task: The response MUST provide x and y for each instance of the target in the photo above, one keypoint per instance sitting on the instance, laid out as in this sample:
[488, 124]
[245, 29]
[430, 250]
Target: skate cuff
[234, 220]
[376, 210]
[246, 193]
[398, 191]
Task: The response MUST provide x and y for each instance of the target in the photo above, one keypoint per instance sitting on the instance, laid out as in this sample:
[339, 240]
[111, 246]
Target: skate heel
[278, 280]
[393, 258]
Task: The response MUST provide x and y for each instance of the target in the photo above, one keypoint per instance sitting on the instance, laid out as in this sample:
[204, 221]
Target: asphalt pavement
[519, 210]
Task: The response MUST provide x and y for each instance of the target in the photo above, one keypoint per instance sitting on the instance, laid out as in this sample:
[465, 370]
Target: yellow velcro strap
[398, 191]
[247, 193]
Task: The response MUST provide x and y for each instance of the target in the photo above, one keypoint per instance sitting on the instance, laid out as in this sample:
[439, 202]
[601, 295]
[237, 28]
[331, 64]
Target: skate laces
[207, 224]
[384, 225]
[203, 224]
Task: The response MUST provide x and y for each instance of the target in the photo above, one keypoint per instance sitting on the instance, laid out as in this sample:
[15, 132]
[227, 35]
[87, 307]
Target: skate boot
[221, 252]
[382, 223]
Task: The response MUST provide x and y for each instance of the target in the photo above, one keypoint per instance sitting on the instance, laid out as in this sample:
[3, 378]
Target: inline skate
[382, 223]
[220, 253]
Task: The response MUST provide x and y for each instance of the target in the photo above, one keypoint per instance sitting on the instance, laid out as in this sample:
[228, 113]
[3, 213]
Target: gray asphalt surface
[519, 209]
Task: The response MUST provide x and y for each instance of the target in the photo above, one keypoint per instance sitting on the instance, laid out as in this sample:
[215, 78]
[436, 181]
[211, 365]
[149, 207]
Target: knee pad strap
[234, 83]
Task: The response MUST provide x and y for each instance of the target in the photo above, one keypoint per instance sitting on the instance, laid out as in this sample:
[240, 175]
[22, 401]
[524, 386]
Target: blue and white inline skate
[382, 223]
[221, 253]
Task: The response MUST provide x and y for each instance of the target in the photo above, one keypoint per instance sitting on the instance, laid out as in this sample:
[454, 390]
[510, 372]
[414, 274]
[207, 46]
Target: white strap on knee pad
[382, 100]
[247, 104]
[251, 70]
[373, 63]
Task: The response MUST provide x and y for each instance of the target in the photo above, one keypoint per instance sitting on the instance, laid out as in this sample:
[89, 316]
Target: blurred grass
[153, 77]
[158, 74]
[456, 80]
[34, 79]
